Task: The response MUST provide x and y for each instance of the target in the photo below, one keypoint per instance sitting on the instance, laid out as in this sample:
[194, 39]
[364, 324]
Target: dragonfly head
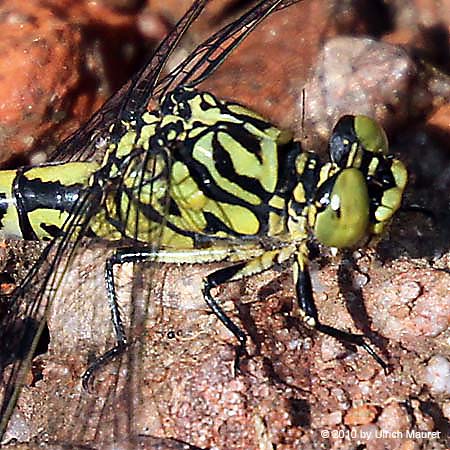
[362, 196]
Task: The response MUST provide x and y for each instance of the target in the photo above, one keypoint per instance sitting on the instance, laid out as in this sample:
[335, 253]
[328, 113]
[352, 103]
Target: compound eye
[371, 135]
[342, 140]
[351, 135]
[345, 220]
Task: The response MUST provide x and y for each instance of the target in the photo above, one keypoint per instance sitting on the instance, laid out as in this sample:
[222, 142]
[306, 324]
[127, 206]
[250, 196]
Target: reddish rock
[360, 415]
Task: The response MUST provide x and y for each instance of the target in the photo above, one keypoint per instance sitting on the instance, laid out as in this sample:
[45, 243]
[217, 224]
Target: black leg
[213, 280]
[232, 273]
[308, 308]
[121, 256]
[235, 272]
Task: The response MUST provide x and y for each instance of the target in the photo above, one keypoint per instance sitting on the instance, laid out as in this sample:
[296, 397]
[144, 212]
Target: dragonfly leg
[213, 280]
[309, 313]
[121, 256]
[236, 272]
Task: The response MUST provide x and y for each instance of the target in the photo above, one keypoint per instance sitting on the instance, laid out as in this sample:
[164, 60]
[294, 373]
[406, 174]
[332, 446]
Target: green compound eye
[345, 220]
[354, 134]
[371, 134]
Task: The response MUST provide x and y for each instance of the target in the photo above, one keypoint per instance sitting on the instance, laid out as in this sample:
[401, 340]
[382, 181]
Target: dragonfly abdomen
[35, 202]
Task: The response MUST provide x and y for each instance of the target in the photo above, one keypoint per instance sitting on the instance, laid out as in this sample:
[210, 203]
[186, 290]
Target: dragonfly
[173, 174]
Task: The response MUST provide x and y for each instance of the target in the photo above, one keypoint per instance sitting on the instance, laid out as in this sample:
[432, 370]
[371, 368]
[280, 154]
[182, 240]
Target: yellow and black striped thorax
[205, 169]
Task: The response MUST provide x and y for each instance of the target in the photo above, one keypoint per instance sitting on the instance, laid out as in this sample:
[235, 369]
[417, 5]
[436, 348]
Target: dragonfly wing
[210, 54]
[30, 303]
[85, 142]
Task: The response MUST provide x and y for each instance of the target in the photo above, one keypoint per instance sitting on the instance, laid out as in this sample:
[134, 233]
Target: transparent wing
[134, 97]
[204, 60]
[41, 285]
[85, 142]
